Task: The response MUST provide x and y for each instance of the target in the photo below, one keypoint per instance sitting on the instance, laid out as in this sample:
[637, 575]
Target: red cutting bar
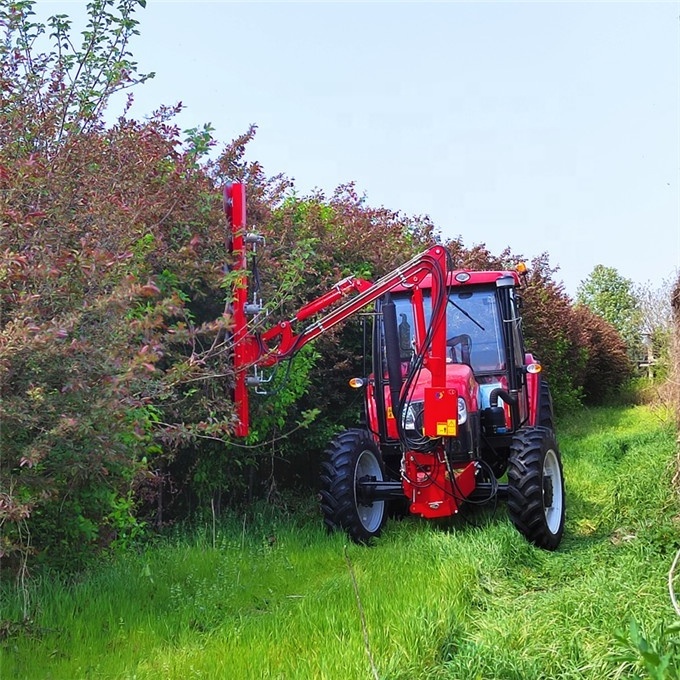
[235, 211]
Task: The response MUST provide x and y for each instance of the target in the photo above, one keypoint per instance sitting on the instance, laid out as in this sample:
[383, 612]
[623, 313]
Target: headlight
[462, 410]
[411, 414]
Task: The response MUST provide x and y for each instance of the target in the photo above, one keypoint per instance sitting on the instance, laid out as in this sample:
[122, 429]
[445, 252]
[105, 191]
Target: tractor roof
[468, 277]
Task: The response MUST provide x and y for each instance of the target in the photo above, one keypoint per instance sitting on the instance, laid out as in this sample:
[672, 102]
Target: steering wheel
[465, 342]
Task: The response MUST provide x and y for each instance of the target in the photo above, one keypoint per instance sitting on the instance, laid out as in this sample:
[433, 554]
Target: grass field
[270, 595]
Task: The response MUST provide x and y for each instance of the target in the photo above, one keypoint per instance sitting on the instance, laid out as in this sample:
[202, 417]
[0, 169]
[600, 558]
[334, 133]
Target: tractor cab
[496, 381]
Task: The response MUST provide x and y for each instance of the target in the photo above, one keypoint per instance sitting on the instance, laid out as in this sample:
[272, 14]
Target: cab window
[473, 327]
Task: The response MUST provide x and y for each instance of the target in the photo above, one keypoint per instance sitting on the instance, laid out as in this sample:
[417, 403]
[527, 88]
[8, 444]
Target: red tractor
[455, 409]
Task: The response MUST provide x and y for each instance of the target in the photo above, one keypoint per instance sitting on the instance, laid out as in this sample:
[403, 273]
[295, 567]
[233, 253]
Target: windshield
[473, 328]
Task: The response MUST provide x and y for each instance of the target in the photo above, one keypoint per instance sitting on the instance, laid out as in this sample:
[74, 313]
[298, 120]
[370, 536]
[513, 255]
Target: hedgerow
[115, 297]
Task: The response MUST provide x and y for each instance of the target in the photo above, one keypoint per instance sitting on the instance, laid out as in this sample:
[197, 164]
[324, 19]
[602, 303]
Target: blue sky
[542, 126]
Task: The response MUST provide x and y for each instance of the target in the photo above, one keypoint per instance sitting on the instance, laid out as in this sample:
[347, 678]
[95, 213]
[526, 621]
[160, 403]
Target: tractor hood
[458, 377]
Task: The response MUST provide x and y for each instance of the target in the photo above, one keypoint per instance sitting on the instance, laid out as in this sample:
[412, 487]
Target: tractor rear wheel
[350, 457]
[536, 487]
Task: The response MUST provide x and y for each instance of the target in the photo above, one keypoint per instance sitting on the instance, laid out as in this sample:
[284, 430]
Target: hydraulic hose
[510, 399]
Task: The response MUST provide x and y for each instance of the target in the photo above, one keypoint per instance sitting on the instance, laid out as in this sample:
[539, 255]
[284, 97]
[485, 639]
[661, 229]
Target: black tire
[350, 456]
[536, 500]
[546, 417]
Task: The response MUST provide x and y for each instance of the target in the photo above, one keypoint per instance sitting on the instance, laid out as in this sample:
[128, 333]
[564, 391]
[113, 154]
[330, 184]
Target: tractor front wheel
[352, 456]
[536, 487]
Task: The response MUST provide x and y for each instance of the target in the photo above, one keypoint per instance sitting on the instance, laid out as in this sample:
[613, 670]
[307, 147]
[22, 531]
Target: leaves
[655, 654]
[50, 96]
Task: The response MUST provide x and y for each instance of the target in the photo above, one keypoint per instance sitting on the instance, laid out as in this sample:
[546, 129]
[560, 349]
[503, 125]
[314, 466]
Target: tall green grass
[272, 596]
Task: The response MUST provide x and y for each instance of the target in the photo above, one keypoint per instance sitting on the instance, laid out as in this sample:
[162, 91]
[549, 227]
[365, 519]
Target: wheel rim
[552, 498]
[370, 514]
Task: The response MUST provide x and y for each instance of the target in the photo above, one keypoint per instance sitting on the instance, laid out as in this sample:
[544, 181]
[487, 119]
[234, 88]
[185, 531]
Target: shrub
[113, 324]
[608, 367]
[115, 369]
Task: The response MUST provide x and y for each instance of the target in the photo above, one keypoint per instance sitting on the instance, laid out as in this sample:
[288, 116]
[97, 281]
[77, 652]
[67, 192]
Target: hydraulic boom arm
[255, 349]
